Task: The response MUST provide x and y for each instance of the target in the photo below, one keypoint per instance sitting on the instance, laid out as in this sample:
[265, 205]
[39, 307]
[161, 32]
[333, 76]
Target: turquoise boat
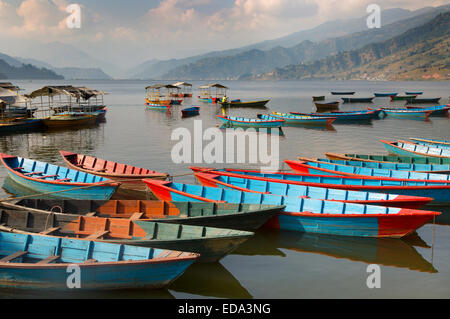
[249, 122]
[62, 182]
[416, 150]
[346, 116]
[311, 166]
[413, 93]
[423, 168]
[44, 262]
[439, 110]
[297, 119]
[432, 143]
[407, 113]
[307, 215]
[388, 158]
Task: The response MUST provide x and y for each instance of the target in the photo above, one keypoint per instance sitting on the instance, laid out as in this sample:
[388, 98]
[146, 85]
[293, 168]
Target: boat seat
[63, 180]
[98, 234]
[11, 257]
[49, 259]
[91, 214]
[47, 176]
[18, 169]
[34, 173]
[49, 230]
[136, 216]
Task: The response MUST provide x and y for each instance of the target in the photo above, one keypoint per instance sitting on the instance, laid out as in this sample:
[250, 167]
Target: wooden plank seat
[136, 216]
[18, 169]
[50, 230]
[91, 214]
[11, 257]
[47, 176]
[63, 180]
[98, 234]
[33, 173]
[49, 259]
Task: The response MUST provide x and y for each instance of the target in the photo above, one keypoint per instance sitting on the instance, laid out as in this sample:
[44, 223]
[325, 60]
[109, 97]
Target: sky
[132, 31]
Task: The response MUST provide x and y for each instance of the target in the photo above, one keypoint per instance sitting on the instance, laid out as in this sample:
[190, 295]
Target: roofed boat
[186, 89]
[389, 158]
[250, 122]
[308, 215]
[298, 119]
[411, 149]
[247, 217]
[440, 193]
[215, 179]
[212, 93]
[41, 262]
[211, 243]
[61, 182]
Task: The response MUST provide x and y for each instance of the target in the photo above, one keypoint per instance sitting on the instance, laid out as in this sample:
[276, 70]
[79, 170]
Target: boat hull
[251, 122]
[415, 150]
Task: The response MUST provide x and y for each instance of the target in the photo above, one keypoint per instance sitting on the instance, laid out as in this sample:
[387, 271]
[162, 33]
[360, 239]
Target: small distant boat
[327, 106]
[308, 215]
[413, 93]
[437, 143]
[342, 93]
[319, 98]
[357, 99]
[436, 110]
[32, 261]
[247, 217]
[69, 120]
[434, 100]
[412, 149]
[298, 119]
[176, 102]
[389, 158]
[385, 94]
[157, 106]
[239, 103]
[191, 111]
[250, 122]
[43, 177]
[408, 114]
[345, 116]
[402, 97]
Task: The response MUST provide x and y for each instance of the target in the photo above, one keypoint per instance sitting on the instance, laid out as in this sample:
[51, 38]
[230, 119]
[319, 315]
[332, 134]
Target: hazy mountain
[419, 53]
[157, 69]
[26, 71]
[255, 61]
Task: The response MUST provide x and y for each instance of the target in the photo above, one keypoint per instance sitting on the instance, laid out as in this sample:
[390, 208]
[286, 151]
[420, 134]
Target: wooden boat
[413, 93]
[191, 111]
[444, 146]
[69, 120]
[212, 93]
[436, 110]
[41, 262]
[357, 99]
[20, 125]
[43, 177]
[211, 243]
[342, 93]
[402, 97]
[434, 100]
[385, 94]
[319, 98]
[249, 122]
[407, 114]
[327, 106]
[437, 143]
[440, 193]
[345, 116]
[411, 149]
[423, 168]
[214, 179]
[239, 103]
[308, 215]
[310, 166]
[157, 106]
[247, 217]
[296, 119]
[388, 158]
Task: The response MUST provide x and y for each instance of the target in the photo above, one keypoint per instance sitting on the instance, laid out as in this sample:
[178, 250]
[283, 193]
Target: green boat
[247, 217]
[211, 243]
[402, 97]
[388, 158]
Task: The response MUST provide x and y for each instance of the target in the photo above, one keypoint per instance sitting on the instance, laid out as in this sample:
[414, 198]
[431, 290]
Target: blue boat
[298, 119]
[43, 262]
[407, 113]
[346, 116]
[191, 111]
[439, 110]
[440, 192]
[385, 94]
[411, 149]
[307, 215]
[43, 177]
[319, 168]
[249, 122]
[17, 126]
[413, 93]
[423, 168]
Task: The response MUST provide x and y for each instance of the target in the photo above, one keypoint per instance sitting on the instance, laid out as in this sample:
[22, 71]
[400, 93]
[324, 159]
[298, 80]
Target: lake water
[272, 264]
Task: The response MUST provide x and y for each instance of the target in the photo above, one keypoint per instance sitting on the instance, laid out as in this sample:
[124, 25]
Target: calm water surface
[272, 264]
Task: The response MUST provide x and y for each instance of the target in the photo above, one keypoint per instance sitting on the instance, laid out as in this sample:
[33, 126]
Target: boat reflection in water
[220, 283]
[382, 251]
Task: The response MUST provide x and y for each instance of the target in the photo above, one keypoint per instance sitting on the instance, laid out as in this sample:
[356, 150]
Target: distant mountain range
[245, 64]
[25, 71]
[420, 53]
